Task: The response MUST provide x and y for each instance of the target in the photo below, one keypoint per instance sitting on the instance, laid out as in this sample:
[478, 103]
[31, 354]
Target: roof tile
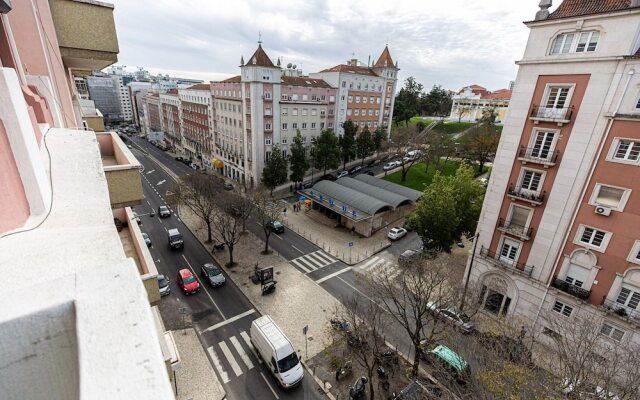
[351, 70]
[305, 81]
[260, 59]
[574, 8]
[385, 56]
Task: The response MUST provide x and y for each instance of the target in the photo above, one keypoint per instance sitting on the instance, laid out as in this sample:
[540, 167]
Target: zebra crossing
[378, 264]
[313, 261]
[223, 356]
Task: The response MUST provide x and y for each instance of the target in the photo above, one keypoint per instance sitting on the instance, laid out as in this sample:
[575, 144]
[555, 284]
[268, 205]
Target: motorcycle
[269, 287]
[358, 388]
[344, 370]
[383, 377]
[356, 341]
[387, 358]
[218, 247]
[340, 325]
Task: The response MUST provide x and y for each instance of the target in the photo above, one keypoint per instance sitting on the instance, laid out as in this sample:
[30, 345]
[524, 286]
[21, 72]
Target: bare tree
[409, 296]
[227, 229]
[461, 111]
[406, 139]
[266, 212]
[242, 207]
[201, 195]
[364, 335]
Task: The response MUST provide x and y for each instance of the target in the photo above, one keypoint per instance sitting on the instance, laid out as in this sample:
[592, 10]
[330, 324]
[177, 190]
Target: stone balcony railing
[573, 290]
[122, 171]
[512, 266]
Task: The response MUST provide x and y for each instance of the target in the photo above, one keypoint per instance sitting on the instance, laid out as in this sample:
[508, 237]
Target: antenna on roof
[259, 37]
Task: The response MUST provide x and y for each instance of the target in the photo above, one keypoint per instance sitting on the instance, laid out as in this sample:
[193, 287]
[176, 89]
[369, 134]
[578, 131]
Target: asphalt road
[221, 316]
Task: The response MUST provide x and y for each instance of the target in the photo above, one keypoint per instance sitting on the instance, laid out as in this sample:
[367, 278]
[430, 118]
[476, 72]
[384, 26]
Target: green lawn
[418, 177]
[453, 127]
[424, 120]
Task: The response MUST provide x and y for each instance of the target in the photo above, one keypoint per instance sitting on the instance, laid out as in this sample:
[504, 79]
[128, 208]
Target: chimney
[543, 13]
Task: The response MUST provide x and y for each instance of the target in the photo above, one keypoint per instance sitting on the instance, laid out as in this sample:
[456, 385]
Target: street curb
[318, 382]
[164, 168]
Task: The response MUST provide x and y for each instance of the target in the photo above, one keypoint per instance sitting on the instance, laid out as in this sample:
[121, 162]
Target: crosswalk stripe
[308, 263]
[299, 265]
[368, 263]
[325, 256]
[232, 361]
[247, 340]
[216, 363]
[377, 265]
[316, 259]
[240, 350]
[326, 278]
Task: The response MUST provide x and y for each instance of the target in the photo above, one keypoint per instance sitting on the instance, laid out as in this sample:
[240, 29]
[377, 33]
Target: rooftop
[200, 86]
[305, 81]
[351, 69]
[575, 8]
[385, 60]
[260, 59]
[233, 79]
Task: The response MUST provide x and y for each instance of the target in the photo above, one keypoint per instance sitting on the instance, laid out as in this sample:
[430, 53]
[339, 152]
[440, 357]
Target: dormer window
[575, 42]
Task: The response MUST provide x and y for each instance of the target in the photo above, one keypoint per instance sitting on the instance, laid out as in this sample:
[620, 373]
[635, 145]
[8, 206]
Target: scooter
[269, 287]
[344, 370]
[218, 247]
[358, 388]
[383, 377]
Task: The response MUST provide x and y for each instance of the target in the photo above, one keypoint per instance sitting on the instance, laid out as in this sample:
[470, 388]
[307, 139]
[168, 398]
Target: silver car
[453, 316]
[163, 285]
[213, 275]
[146, 238]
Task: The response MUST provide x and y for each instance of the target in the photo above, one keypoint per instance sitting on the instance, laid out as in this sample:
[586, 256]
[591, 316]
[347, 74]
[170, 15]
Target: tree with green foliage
[275, 170]
[407, 102]
[405, 139]
[326, 151]
[437, 102]
[348, 142]
[364, 144]
[481, 145]
[379, 136]
[449, 208]
[298, 159]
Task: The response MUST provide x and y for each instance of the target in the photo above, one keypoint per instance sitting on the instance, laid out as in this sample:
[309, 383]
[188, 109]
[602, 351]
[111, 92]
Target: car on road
[178, 158]
[276, 226]
[188, 282]
[342, 174]
[227, 185]
[368, 172]
[213, 275]
[163, 285]
[453, 316]
[146, 238]
[396, 233]
[175, 239]
[408, 256]
[164, 212]
[390, 165]
[355, 169]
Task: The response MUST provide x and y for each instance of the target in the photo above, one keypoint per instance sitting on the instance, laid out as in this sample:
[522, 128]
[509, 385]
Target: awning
[218, 164]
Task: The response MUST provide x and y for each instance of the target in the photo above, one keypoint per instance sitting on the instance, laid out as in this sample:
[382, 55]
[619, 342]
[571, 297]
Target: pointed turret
[260, 59]
[385, 60]
[241, 61]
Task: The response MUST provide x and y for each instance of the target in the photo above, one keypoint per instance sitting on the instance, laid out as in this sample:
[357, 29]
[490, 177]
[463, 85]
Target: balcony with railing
[523, 232]
[551, 114]
[511, 266]
[571, 289]
[625, 313]
[537, 155]
[534, 198]
[121, 169]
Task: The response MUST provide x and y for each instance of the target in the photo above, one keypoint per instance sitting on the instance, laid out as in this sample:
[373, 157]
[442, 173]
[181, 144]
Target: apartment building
[471, 101]
[123, 95]
[103, 90]
[170, 118]
[77, 319]
[196, 110]
[229, 141]
[152, 117]
[559, 230]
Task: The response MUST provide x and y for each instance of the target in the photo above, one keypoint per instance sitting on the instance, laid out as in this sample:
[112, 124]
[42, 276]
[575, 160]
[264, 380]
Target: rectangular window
[592, 236]
[304, 125]
[313, 125]
[314, 112]
[267, 127]
[304, 111]
[542, 145]
[588, 41]
[323, 98]
[364, 99]
[609, 196]
[304, 139]
[509, 251]
[285, 111]
[305, 97]
[294, 112]
[531, 180]
[284, 140]
[562, 43]
[357, 99]
[294, 97]
[267, 142]
[627, 150]
[562, 308]
[611, 331]
[378, 99]
[519, 217]
[321, 125]
[284, 126]
[267, 111]
[285, 97]
[557, 97]
[284, 154]
[370, 112]
[349, 112]
[330, 125]
[332, 99]
[344, 84]
[267, 156]
[371, 99]
[294, 125]
[350, 99]
[628, 298]
[356, 112]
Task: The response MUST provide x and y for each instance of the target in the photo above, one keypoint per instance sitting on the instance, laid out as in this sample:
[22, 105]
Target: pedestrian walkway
[313, 261]
[233, 357]
[377, 265]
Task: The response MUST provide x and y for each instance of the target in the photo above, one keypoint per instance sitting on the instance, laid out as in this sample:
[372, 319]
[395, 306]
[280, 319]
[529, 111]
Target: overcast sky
[453, 42]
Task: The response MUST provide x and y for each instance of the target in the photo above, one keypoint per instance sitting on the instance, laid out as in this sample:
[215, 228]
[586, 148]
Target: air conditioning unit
[602, 210]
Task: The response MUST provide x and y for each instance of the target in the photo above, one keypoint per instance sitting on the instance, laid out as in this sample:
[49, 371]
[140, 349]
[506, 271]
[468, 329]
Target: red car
[187, 282]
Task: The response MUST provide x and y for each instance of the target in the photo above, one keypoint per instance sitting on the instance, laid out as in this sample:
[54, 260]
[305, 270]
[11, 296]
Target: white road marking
[230, 320]
[294, 247]
[216, 363]
[153, 170]
[203, 287]
[148, 203]
[276, 235]
[369, 263]
[232, 361]
[165, 228]
[161, 182]
[268, 384]
[247, 340]
[326, 278]
[299, 265]
[245, 358]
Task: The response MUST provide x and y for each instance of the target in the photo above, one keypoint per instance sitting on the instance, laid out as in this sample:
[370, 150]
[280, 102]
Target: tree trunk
[230, 255]
[416, 361]
[482, 161]
[404, 174]
[459, 118]
[209, 238]
[371, 393]
[267, 234]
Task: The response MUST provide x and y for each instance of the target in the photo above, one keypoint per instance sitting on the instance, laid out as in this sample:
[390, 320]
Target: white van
[277, 352]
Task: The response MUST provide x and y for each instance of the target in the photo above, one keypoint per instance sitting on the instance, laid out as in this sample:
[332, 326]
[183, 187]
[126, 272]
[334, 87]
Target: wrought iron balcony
[523, 194]
[573, 290]
[625, 313]
[512, 228]
[533, 155]
[551, 114]
[512, 266]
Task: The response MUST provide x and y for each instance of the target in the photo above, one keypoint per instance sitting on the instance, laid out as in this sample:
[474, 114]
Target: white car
[396, 233]
[453, 316]
[390, 165]
[342, 174]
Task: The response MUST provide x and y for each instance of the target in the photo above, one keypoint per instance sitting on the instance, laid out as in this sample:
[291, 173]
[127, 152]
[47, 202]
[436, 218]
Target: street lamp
[466, 281]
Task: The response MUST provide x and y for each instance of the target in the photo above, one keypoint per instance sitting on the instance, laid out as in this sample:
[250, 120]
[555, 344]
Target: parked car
[227, 185]
[368, 172]
[213, 275]
[452, 315]
[371, 163]
[390, 165]
[327, 177]
[586, 391]
[137, 218]
[187, 282]
[450, 360]
[276, 226]
[277, 351]
[164, 212]
[342, 174]
[178, 158]
[396, 233]
[146, 238]
[408, 256]
[163, 285]
[355, 169]
[236, 211]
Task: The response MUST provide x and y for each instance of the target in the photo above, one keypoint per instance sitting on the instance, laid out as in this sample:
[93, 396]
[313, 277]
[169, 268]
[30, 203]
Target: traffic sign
[350, 244]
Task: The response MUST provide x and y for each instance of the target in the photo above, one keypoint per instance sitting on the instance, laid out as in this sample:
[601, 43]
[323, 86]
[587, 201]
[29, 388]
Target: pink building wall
[14, 208]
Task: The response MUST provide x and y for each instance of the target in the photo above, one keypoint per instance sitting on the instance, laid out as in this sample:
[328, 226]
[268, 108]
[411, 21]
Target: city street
[221, 316]
[339, 279]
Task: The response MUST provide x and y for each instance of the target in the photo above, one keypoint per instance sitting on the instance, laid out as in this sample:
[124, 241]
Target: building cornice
[571, 60]
[554, 21]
